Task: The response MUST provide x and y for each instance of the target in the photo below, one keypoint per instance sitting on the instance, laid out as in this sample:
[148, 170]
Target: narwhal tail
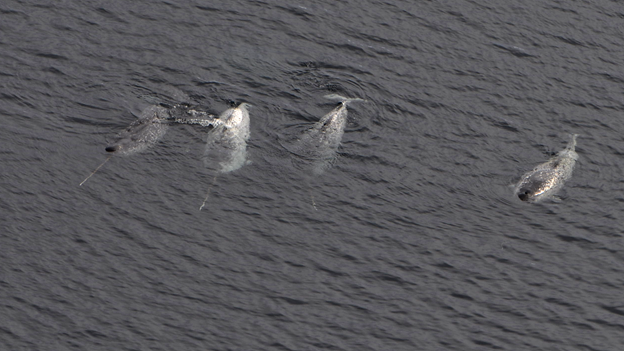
[244, 105]
[343, 99]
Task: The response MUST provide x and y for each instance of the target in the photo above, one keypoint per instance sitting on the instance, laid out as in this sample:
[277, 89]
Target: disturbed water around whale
[417, 240]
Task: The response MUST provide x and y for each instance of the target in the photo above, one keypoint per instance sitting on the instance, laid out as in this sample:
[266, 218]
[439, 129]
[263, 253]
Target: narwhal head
[525, 194]
[122, 144]
[537, 186]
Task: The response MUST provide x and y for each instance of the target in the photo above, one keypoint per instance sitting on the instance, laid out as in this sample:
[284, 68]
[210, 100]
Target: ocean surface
[412, 239]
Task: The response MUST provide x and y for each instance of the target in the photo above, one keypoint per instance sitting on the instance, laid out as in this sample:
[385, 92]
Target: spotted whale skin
[320, 143]
[548, 178]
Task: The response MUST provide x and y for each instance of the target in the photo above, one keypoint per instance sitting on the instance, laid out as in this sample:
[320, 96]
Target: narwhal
[320, 143]
[226, 143]
[547, 179]
[140, 135]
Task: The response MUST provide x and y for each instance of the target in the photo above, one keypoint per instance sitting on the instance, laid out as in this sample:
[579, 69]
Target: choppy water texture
[417, 241]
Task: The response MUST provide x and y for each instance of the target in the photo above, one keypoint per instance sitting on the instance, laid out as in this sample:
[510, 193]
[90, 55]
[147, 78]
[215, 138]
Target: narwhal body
[142, 133]
[226, 142]
[320, 143]
[548, 178]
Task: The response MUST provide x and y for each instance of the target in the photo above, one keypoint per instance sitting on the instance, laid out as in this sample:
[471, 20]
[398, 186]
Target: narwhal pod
[548, 178]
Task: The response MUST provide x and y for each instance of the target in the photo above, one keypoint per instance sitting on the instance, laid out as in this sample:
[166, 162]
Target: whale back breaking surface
[322, 140]
[142, 133]
[226, 143]
[319, 144]
[548, 178]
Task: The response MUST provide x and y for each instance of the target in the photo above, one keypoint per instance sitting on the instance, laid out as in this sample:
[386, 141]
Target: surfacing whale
[226, 143]
[320, 143]
[547, 179]
[140, 135]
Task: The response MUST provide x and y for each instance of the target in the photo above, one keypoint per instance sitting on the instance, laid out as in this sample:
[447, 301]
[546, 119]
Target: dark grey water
[416, 242]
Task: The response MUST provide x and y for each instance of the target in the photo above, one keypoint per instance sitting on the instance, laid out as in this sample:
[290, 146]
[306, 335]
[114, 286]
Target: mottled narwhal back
[226, 144]
[142, 133]
[320, 143]
[548, 178]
